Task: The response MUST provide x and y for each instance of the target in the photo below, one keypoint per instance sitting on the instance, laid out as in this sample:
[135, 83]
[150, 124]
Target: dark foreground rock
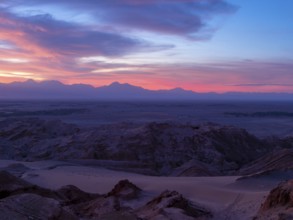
[20, 200]
[17, 169]
[279, 203]
[32, 206]
[172, 205]
[124, 189]
[72, 195]
[10, 184]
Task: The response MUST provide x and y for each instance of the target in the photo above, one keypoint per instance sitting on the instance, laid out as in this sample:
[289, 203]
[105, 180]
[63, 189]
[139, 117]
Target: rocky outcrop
[97, 208]
[10, 184]
[22, 200]
[172, 205]
[115, 203]
[154, 148]
[32, 206]
[279, 203]
[118, 204]
[72, 195]
[124, 189]
[276, 160]
[195, 168]
[17, 169]
[263, 181]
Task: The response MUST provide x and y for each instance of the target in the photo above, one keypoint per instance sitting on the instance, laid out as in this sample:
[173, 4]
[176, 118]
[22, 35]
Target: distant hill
[53, 89]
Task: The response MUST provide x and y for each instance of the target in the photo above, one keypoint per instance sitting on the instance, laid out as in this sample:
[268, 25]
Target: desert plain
[223, 187]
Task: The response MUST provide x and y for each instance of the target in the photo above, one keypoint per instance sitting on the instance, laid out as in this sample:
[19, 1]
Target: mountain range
[53, 89]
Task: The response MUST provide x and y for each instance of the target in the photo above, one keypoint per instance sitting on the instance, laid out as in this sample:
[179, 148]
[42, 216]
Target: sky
[199, 45]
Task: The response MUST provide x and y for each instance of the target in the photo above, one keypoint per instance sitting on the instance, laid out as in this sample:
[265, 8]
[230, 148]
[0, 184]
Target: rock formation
[172, 205]
[277, 160]
[279, 203]
[22, 200]
[32, 206]
[153, 148]
[125, 190]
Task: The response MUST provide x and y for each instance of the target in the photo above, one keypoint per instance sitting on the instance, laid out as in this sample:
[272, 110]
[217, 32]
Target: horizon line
[154, 90]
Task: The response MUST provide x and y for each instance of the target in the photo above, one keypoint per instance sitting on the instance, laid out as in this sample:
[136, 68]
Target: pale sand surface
[213, 192]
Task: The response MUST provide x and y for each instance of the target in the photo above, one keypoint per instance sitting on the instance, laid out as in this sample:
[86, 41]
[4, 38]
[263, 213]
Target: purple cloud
[72, 39]
[187, 18]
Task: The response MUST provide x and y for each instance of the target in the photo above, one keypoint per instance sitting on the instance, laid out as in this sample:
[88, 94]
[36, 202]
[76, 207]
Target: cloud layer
[39, 41]
[185, 18]
[43, 32]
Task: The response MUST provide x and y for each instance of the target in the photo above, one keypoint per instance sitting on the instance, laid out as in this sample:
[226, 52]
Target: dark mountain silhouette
[53, 89]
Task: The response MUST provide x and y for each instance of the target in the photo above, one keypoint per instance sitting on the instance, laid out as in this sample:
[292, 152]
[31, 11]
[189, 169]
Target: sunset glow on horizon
[199, 45]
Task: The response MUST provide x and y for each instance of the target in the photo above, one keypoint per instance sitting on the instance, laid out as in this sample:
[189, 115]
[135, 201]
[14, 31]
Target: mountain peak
[118, 84]
[27, 83]
[177, 89]
[30, 81]
[115, 83]
[123, 86]
[52, 82]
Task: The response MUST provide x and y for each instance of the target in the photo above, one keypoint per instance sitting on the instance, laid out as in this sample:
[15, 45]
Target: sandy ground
[215, 193]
